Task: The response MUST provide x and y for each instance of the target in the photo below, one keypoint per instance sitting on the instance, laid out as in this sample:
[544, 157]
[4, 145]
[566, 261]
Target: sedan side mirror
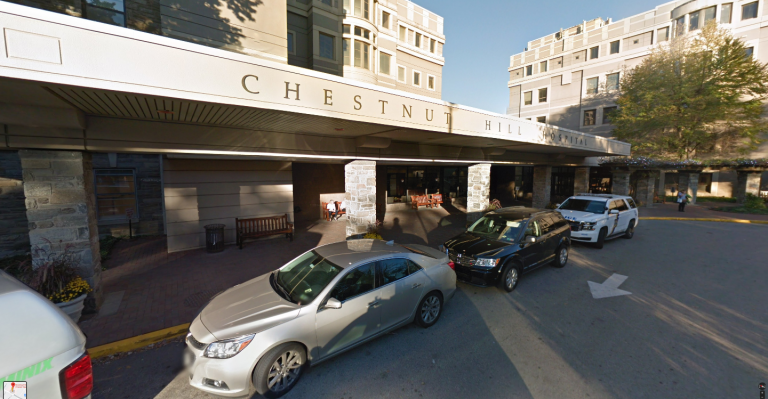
[332, 303]
[529, 240]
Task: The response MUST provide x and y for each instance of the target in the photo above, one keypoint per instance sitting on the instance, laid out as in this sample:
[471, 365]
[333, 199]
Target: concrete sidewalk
[698, 211]
[146, 289]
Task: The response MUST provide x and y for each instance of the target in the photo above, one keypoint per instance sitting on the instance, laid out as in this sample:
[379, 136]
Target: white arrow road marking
[609, 288]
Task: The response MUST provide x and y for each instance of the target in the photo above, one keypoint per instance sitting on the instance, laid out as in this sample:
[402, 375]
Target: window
[354, 283]
[361, 8]
[326, 2]
[541, 119]
[528, 98]
[416, 78]
[693, 21]
[543, 95]
[612, 81]
[402, 33]
[533, 229]
[362, 32]
[543, 66]
[592, 85]
[291, 43]
[621, 206]
[384, 60]
[607, 112]
[115, 193]
[107, 12]
[385, 19]
[662, 35]
[345, 50]
[393, 270]
[432, 46]
[306, 277]
[345, 29]
[749, 11]
[529, 70]
[615, 47]
[401, 74]
[709, 14]
[749, 51]
[680, 26]
[431, 82]
[589, 117]
[631, 203]
[362, 58]
[326, 46]
[725, 13]
[417, 43]
[593, 52]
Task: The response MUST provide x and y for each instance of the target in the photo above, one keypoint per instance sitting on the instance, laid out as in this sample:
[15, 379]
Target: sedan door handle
[373, 304]
[417, 285]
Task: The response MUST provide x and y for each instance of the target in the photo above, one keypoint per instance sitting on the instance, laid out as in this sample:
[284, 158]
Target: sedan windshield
[498, 227]
[306, 276]
[583, 205]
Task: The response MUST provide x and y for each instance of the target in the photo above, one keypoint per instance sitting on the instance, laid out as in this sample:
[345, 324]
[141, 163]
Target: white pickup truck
[598, 217]
[43, 349]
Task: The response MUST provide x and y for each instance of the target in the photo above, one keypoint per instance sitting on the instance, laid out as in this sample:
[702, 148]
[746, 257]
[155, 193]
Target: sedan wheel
[279, 370]
[430, 309]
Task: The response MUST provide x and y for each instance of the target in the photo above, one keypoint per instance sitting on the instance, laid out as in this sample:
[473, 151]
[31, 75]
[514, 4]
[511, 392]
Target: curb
[744, 221]
[137, 342]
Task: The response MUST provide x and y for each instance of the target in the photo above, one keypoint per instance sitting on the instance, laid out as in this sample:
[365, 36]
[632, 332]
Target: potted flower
[373, 231]
[55, 277]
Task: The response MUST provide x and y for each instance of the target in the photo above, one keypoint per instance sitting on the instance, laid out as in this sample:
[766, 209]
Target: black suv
[508, 242]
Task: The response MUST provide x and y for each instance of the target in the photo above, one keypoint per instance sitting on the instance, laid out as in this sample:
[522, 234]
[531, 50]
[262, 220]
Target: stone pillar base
[620, 182]
[542, 186]
[478, 191]
[747, 183]
[360, 183]
[646, 187]
[581, 180]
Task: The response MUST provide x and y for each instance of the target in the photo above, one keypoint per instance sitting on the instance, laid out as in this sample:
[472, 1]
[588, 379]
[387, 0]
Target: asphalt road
[694, 327]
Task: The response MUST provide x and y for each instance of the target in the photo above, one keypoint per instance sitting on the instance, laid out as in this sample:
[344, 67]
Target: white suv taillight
[77, 379]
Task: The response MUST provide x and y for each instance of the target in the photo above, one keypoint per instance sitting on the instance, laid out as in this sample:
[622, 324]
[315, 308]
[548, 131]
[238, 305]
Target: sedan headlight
[228, 348]
[588, 225]
[488, 263]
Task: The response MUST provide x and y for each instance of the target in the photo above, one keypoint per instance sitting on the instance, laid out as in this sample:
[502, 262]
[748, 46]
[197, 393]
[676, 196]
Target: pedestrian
[331, 207]
[682, 199]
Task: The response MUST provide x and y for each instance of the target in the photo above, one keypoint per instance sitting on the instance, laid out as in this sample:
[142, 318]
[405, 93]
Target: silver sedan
[266, 331]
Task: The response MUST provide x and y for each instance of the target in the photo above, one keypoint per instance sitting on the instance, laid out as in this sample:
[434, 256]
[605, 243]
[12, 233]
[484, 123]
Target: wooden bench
[437, 199]
[420, 200]
[262, 227]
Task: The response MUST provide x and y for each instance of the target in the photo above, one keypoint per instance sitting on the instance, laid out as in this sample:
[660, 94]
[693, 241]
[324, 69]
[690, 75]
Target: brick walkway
[161, 290]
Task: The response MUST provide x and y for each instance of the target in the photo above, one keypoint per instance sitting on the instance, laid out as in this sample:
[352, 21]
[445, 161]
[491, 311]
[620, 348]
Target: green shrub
[754, 202]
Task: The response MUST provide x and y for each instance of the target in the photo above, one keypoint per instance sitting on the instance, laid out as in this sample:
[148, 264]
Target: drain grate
[198, 299]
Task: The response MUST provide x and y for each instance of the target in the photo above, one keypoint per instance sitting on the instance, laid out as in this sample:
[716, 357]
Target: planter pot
[73, 308]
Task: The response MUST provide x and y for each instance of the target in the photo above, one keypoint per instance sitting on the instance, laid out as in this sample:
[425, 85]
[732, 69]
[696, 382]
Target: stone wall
[542, 186]
[14, 232]
[581, 180]
[478, 190]
[620, 182]
[646, 187]
[360, 184]
[149, 194]
[61, 210]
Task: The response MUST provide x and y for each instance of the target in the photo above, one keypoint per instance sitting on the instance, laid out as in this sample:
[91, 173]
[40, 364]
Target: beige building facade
[570, 77]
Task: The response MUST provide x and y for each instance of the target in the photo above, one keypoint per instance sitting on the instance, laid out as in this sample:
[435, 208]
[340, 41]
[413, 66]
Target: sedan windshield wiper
[279, 288]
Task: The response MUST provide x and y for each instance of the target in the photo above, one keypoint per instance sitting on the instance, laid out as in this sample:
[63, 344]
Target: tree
[699, 95]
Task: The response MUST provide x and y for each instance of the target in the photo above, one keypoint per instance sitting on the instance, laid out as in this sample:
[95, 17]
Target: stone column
[620, 182]
[360, 183]
[61, 211]
[478, 190]
[646, 187]
[661, 189]
[746, 183]
[688, 182]
[581, 180]
[542, 186]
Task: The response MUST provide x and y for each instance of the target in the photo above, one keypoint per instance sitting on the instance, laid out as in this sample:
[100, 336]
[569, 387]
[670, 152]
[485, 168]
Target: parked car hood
[247, 308]
[579, 216]
[470, 244]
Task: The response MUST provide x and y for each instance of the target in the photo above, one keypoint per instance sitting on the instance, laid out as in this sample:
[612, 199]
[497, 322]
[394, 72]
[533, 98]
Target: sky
[481, 35]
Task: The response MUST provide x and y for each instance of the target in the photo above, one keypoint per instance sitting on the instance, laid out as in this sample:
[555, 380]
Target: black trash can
[214, 237]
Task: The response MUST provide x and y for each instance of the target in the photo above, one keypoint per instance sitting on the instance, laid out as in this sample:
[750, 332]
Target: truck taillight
[77, 378]
[452, 266]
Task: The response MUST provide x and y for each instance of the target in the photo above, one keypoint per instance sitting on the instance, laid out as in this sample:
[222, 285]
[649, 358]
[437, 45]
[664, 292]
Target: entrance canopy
[71, 83]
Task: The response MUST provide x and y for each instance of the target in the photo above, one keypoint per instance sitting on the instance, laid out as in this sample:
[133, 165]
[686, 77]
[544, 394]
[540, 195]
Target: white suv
[599, 217]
